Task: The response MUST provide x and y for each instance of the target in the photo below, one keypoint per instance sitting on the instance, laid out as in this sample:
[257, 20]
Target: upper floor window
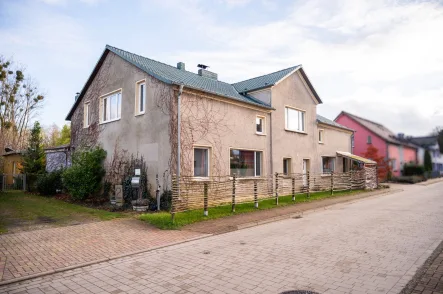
[295, 119]
[369, 140]
[352, 141]
[201, 162]
[111, 107]
[246, 163]
[87, 115]
[140, 97]
[260, 125]
[321, 134]
[328, 164]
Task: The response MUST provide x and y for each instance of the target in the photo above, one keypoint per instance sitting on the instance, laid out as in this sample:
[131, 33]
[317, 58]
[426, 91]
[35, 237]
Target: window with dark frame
[369, 140]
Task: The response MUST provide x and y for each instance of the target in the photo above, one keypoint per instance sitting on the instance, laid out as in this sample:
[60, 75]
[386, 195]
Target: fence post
[205, 199]
[332, 183]
[376, 176]
[309, 183]
[350, 181]
[174, 191]
[255, 195]
[233, 192]
[293, 189]
[276, 188]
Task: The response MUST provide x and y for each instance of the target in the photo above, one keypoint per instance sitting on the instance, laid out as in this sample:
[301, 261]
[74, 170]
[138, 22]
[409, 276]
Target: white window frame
[333, 163]
[263, 120]
[104, 98]
[208, 158]
[321, 136]
[255, 161]
[86, 114]
[287, 108]
[137, 97]
[288, 161]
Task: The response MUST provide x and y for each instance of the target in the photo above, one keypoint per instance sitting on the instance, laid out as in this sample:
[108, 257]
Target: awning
[355, 157]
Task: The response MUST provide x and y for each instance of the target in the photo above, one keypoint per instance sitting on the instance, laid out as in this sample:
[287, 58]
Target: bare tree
[20, 100]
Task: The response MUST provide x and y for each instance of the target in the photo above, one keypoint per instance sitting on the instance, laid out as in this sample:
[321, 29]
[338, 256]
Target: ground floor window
[286, 166]
[246, 163]
[328, 164]
[201, 162]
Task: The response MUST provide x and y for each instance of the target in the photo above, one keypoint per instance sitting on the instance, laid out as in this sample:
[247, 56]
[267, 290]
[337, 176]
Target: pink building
[388, 144]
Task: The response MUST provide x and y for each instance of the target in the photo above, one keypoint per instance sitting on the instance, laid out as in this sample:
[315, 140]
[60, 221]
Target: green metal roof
[326, 121]
[172, 75]
[264, 81]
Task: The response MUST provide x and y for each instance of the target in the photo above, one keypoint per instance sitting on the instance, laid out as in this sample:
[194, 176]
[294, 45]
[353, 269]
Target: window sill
[200, 179]
[325, 175]
[245, 178]
[86, 127]
[293, 131]
[139, 114]
[109, 121]
[260, 134]
[323, 143]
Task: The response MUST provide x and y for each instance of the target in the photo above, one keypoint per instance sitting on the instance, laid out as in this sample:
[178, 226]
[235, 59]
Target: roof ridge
[365, 119]
[267, 74]
[171, 66]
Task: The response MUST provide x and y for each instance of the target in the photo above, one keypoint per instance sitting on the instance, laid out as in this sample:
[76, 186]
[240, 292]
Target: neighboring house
[12, 164]
[58, 157]
[367, 133]
[429, 143]
[252, 128]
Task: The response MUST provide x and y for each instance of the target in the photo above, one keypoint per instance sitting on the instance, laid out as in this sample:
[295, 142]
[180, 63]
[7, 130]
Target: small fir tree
[428, 161]
[34, 157]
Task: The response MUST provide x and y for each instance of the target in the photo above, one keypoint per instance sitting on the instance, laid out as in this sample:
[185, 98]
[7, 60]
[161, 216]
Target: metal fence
[10, 182]
[195, 193]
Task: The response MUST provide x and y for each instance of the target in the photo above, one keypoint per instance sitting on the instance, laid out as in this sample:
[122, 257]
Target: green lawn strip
[21, 206]
[163, 220]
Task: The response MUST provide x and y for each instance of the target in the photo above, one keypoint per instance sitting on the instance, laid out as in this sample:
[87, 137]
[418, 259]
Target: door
[305, 170]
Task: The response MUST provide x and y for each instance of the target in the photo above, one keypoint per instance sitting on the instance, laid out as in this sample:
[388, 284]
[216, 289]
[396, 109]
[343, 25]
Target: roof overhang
[356, 158]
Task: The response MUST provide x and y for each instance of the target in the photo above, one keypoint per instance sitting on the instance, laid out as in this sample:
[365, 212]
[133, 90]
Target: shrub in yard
[413, 170]
[48, 184]
[409, 179]
[85, 176]
[166, 200]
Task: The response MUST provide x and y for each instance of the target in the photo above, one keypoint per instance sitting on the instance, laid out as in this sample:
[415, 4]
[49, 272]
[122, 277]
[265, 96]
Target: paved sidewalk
[370, 246]
[34, 252]
[241, 221]
[429, 278]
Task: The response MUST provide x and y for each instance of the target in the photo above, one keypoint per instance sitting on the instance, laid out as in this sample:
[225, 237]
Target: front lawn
[163, 220]
[20, 211]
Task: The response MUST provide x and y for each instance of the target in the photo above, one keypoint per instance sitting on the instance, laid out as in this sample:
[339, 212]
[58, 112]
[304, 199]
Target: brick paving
[240, 221]
[33, 252]
[429, 279]
[374, 245]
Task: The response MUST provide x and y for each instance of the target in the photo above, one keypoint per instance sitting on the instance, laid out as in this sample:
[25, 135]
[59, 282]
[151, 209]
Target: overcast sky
[379, 59]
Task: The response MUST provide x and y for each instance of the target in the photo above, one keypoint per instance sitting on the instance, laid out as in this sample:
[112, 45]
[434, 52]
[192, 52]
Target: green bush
[49, 183]
[84, 177]
[413, 170]
[409, 179]
[166, 200]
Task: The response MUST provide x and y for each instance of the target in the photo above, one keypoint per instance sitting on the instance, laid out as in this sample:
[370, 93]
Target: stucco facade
[208, 121]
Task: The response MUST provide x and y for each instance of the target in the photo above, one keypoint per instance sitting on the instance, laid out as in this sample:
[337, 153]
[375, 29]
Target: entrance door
[305, 169]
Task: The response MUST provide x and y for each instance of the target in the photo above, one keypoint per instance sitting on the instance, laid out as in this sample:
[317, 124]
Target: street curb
[71, 267]
[308, 211]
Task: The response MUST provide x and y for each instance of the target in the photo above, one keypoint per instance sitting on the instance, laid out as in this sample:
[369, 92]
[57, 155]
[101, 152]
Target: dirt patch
[45, 220]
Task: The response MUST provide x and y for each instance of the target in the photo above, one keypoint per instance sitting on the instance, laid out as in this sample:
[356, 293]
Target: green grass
[18, 208]
[163, 220]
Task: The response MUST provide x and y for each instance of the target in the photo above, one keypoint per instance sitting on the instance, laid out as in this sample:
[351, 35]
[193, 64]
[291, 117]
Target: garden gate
[9, 182]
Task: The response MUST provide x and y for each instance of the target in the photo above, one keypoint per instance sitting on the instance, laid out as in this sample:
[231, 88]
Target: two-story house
[252, 128]
[429, 143]
[369, 133]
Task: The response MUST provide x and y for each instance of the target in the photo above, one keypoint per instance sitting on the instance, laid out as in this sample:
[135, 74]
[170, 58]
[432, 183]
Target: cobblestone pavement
[371, 246]
[429, 278]
[33, 252]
